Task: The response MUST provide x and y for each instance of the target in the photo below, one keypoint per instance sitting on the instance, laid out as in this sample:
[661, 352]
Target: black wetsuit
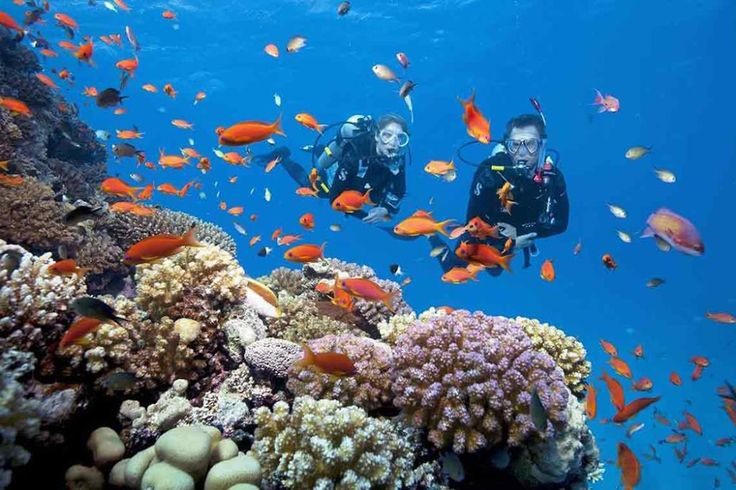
[360, 169]
[542, 208]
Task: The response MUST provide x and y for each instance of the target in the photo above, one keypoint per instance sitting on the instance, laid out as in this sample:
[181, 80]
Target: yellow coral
[161, 285]
[568, 352]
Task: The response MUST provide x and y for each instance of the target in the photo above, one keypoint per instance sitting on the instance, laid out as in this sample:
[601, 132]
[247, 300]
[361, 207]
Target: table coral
[467, 378]
[321, 444]
[368, 388]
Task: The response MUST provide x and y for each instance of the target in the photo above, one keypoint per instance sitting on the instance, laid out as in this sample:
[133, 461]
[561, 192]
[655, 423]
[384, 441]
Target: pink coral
[368, 388]
[467, 377]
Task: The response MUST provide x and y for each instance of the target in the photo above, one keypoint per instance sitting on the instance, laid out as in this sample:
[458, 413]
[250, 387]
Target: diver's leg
[295, 170]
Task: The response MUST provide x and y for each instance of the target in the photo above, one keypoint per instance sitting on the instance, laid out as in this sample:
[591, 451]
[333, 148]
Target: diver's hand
[506, 230]
[524, 241]
[376, 214]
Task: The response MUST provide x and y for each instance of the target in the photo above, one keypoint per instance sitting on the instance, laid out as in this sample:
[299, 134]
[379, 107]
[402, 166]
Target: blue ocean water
[669, 63]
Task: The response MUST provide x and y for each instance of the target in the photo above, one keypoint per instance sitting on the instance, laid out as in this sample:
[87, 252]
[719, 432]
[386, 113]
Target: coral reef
[391, 329]
[321, 444]
[128, 229]
[242, 327]
[568, 352]
[369, 388]
[98, 252]
[272, 357]
[19, 416]
[34, 303]
[207, 273]
[467, 378]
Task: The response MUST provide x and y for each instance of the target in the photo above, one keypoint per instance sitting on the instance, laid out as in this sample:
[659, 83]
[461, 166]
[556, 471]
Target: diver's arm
[482, 200]
[559, 209]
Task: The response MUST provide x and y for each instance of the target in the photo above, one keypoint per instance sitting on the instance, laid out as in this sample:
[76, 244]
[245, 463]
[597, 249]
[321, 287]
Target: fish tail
[388, 300]
[276, 126]
[505, 262]
[367, 198]
[441, 226]
[308, 358]
[190, 238]
[322, 249]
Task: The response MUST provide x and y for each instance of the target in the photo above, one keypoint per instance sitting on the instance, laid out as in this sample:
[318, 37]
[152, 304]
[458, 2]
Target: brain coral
[467, 377]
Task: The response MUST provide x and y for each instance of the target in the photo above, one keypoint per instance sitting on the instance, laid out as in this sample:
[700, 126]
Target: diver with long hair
[364, 155]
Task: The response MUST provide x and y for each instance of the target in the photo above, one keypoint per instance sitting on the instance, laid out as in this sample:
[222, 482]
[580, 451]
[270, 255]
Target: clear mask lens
[387, 136]
[531, 145]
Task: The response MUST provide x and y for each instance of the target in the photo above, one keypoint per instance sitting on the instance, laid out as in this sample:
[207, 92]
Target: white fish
[271, 141]
[437, 251]
[335, 227]
[267, 195]
[296, 43]
[307, 147]
[252, 190]
[431, 200]
[634, 428]
[239, 228]
[131, 37]
[410, 106]
[217, 183]
[665, 176]
[137, 177]
[191, 141]
[277, 100]
[202, 195]
[625, 237]
[262, 299]
[219, 153]
[110, 6]
[617, 211]
[217, 195]
[385, 73]
[102, 135]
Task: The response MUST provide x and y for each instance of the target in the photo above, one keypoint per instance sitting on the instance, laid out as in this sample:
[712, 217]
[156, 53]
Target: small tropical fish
[333, 363]
[182, 124]
[403, 59]
[79, 329]
[82, 213]
[609, 262]
[168, 15]
[633, 408]
[623, 236]
[67, 267]
[620, 366]
[615, 390]
[117, 187]
[172, 161]
[675, 438]
[421, 223]
[305, 253]
[351, 200]
[643, 384]
[343, 8]
[460, 275]
[634, 428]
[262, 299]
[537, 412]
[655, 282]
[128, 134]
[481, 230]
[477, 125]
[547, 271]
[439, 250]
[609, 348]
[150, 88]
[159, 246]
[665, 176]
[591, 403]
[11, 180]
[199, 97]
[254, 240]
[235, 211]
[639, 351]
[271, 50]
[367, 290]
[8, 22]
[506, 197]
[335, 227]
[170, 90]
[396, 270]
[295, 44]
[721, 317]
[440, 168]
[15, 106]
[247, 132]
[675, 379]
[636, 152]
[309, 121]
[675, 231]
[110, 97]
[265, 251]
[385, 73]
[630, 467]
[239, 228]
[307, 221]
[607, 103]
[95, 308]
[617, 211]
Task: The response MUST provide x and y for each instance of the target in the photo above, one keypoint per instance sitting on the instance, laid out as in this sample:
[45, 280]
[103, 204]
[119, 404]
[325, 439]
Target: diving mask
[386, 136]
[531, 145]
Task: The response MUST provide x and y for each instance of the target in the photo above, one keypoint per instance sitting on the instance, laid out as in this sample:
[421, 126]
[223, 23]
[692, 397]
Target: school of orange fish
[669, 230]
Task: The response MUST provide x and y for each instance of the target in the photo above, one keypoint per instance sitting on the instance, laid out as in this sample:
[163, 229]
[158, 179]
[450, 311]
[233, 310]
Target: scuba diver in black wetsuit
[538, 187]
[364, 155]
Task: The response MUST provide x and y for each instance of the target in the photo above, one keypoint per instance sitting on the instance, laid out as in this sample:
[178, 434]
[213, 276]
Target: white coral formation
[31, 297]
[162, 284]
[568, 352]
[272, 356]
[242, 328]
[569, 459]
[171, 407]
[392, 328]
[321, 444]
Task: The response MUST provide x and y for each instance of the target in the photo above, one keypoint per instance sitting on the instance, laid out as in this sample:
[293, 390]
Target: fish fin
[367, 197]
[504, 262]
[648, 232]
[388, 300]
[190, 238]
[277, 127]
[308, 359]
[442, 224]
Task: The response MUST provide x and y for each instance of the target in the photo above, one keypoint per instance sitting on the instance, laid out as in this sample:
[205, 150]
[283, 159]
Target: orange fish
[119, 111]
[190, 152]
[235, 211]
[172, 161]
[46, 80]
[709, 462]
[170, 91]
[697, 373]
[254, 240]
[141, 210]
[476, 124]
[620, 366]
[481, 230]
[333, 363]
[66, 21]
[169, 189]
[350, 201]
[122, 206]
[721, 317]
[91, 92]
[67, 267]
[609, 262]
[421, 223]
[272, 164]
[508, 245]
[223, 205]
[701, 361]
[460, 275]
[578, 248]
[484, 255]
[309, 121]
[122, 5]
[65, 75]
[288, 239]
[276, 233]
[368, 290]
[506, 197]
[15, 106]
[8, 22]
[272, 50]
[79, 329]
[305, 253]
[639, 351]
[675, 379]
[247, 132]
[146, 193]
[199, 97]
[129, 65]
[643, 384]
[159, 246]
[629, 465]
[233, 158]
[607, 103]
[615, 391]
[675, 438]
[182, 124]
[49, 53]
[128, 134]
[85, 52]
[150, 88]
[11, 180]
[547, 271]
[691, 423]
[609, 348]
[117, 187]
[342, 298]
[306, 192]
[633, 408]
[591, 405]
[168, 15]
[204, 165]
[307, 221]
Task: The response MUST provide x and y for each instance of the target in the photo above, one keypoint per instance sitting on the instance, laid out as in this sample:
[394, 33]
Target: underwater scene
[324, 244]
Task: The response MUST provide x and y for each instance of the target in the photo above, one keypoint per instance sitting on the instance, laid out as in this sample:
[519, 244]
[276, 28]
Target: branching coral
[34, 303]
[368, 388]
[320, 444]
[285, 279]
[568, 352]
[163, 284]
[128, 229]
[468, 379]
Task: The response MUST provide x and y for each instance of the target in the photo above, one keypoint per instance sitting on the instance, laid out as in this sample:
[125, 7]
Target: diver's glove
[377, 214]
[525, 241]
